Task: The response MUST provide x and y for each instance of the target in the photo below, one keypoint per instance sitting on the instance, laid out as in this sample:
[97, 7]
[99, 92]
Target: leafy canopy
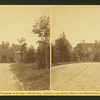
[42, 28]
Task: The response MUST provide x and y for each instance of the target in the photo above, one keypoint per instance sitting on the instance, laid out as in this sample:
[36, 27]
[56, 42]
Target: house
[88, 51]
[88, 46]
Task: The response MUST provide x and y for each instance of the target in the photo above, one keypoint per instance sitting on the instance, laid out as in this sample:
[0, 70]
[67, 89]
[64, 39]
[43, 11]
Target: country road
[8, 81]
[76, 77]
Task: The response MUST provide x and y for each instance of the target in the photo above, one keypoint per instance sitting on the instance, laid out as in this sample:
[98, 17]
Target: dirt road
[76, 77]
[8, 81]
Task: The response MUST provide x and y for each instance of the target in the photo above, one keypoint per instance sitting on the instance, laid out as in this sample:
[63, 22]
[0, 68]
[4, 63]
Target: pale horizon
[17, 22]
[78, 23]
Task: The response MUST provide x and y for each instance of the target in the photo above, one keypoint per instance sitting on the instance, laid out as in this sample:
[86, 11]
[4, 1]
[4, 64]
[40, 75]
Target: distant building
[86, 45]
[88, 51]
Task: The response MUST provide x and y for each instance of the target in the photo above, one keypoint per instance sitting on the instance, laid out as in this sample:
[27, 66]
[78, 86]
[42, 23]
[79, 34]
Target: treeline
[9, 52]
[24, 54]
[62, 51]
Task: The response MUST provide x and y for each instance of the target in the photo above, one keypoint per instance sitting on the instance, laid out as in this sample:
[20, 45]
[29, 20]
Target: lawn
[32, 77]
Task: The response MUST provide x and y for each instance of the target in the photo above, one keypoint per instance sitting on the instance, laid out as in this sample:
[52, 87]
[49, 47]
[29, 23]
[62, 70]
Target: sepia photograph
[75, 48]
[24, 48]
[49, 50]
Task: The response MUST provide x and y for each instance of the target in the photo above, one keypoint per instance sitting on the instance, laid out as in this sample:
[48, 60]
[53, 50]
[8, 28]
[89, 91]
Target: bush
[32, 77]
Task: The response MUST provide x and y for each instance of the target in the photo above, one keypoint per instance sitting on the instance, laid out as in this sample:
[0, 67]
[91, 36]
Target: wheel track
[69, 75]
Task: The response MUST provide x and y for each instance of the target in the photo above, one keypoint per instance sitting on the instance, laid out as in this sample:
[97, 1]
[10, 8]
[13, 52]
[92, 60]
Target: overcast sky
[17, 22]
[78, 23]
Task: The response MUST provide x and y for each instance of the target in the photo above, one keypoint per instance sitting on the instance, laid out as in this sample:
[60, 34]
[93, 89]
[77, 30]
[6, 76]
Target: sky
[17, 22]
[78, 23]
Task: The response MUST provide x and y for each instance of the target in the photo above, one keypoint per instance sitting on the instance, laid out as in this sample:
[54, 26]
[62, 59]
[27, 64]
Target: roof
[87, 45]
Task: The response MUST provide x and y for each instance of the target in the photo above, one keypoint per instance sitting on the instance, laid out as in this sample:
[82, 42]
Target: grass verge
[62, 63]
[31, 76]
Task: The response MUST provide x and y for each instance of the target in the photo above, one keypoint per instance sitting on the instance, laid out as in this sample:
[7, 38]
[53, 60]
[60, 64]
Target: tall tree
[23, 43]
[62, 49]
[42, 28]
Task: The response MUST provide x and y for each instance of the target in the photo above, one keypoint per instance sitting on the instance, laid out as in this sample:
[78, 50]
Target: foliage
[41, 56]
[62, 50]
[30, 55]
[23, 43]
[42, 28]
[32, 77]
[7, 53]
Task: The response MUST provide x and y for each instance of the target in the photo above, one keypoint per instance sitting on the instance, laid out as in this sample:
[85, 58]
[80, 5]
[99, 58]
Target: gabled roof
[87, 45]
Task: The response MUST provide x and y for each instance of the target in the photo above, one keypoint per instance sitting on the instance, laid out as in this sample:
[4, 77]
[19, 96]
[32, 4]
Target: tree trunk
[46, 57]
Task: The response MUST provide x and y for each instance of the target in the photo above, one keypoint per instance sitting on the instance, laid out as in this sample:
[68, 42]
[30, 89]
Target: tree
[96, 51]
[23, 43]
[76, 57]
[4, 52]
[30, 55]
[53, 54]
[62, 50]
[42, 28]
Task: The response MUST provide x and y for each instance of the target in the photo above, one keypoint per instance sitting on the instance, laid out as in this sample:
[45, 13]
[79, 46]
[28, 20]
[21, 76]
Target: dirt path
[8, 81]
[76, 77]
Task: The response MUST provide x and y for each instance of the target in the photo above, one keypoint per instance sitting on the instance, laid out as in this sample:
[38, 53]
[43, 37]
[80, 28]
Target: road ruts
[76, 77]
[8, 81]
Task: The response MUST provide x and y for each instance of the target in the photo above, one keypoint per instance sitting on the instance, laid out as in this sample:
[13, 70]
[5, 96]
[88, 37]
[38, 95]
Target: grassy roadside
[62, 63]
[31, 76]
